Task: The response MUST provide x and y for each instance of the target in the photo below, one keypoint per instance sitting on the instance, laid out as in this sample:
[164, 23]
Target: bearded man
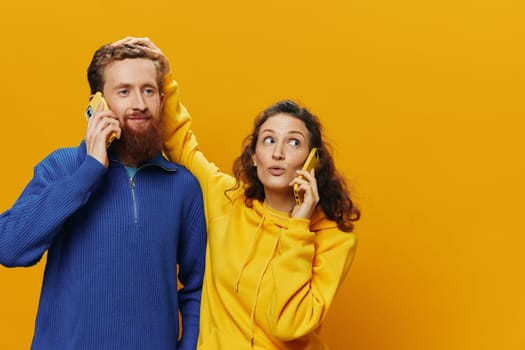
[120, 225]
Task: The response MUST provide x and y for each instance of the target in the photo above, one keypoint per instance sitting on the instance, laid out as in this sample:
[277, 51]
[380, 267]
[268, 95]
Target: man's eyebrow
[128, 85]
[122, 85]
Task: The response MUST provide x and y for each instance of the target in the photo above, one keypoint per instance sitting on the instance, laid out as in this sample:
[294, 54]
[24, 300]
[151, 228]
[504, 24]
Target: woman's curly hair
[334, 195]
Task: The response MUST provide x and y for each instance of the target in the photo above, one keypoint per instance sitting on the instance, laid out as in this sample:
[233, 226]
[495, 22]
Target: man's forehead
[131, 72]
[132, 64]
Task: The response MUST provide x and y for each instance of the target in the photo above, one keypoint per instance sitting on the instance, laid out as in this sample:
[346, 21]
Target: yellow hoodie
[269, 279]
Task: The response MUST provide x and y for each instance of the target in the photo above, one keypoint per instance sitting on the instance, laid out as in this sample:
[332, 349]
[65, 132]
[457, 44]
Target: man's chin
[139, 126]
[141, 141]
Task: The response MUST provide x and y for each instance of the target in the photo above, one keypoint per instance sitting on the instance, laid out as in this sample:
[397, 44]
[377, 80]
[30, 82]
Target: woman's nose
[277, 152]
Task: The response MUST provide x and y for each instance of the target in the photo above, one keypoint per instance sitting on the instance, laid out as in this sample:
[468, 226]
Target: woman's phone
[93, 107]
[311, 163]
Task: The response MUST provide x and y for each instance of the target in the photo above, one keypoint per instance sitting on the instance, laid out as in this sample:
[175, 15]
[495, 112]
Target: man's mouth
[138, 119]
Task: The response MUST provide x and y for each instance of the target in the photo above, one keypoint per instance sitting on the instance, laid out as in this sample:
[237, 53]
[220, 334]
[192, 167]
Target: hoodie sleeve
[181, 146]
[306, 275]
[28, 228]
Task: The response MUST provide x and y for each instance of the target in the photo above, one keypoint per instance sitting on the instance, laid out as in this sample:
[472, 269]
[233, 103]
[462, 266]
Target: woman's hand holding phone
[305, 187]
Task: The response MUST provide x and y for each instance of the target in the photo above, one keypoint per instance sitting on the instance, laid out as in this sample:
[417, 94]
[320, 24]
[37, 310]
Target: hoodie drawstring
[250, 253]
[257, 288]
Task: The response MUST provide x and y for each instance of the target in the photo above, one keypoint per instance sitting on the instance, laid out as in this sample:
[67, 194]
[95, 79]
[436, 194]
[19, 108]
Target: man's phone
[311, 163]
[93, 107]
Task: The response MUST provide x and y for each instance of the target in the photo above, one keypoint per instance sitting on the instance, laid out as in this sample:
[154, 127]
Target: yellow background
[422, 100]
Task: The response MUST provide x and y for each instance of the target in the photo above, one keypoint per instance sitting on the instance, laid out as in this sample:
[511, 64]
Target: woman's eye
[294, 142]
[268, 140]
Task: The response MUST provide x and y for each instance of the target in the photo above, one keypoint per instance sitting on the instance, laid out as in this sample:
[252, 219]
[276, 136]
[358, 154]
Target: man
[119, 224]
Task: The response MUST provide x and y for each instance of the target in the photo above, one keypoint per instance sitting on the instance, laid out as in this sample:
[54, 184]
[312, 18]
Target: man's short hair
[107, 54]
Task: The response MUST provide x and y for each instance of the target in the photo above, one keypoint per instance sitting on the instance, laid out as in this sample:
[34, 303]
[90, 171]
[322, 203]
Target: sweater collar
[159, 160]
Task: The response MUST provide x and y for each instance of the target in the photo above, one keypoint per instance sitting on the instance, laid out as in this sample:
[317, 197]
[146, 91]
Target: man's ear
[162, 100]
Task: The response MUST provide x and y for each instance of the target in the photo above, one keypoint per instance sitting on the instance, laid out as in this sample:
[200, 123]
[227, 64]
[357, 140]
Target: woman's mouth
[276, 171]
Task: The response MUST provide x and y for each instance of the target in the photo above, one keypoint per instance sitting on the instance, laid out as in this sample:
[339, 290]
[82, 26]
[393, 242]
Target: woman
[273, 266]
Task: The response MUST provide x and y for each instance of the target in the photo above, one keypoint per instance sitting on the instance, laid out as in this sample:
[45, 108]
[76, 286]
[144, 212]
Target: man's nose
[139, 102]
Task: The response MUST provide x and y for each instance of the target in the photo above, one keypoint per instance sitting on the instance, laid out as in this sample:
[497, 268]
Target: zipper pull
[132, 182]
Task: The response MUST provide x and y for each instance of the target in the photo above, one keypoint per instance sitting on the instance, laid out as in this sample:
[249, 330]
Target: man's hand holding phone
[103, 128]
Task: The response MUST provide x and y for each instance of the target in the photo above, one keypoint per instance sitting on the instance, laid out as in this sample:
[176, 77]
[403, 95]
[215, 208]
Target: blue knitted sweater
[115, 246]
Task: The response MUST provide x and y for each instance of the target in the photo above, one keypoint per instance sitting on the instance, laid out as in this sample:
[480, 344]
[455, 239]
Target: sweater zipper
[135, 210]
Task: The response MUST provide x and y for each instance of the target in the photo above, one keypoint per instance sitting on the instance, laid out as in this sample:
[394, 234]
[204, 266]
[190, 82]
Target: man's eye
[123, 92]
[149, 92]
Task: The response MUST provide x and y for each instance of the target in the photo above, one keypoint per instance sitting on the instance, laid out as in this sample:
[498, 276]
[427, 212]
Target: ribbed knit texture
[113, 248]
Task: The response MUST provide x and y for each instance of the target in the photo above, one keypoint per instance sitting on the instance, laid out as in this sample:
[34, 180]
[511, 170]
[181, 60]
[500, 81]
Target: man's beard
[139, 144]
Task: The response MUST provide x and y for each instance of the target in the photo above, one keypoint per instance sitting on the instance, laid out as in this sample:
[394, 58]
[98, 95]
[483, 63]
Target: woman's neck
[279, 202]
